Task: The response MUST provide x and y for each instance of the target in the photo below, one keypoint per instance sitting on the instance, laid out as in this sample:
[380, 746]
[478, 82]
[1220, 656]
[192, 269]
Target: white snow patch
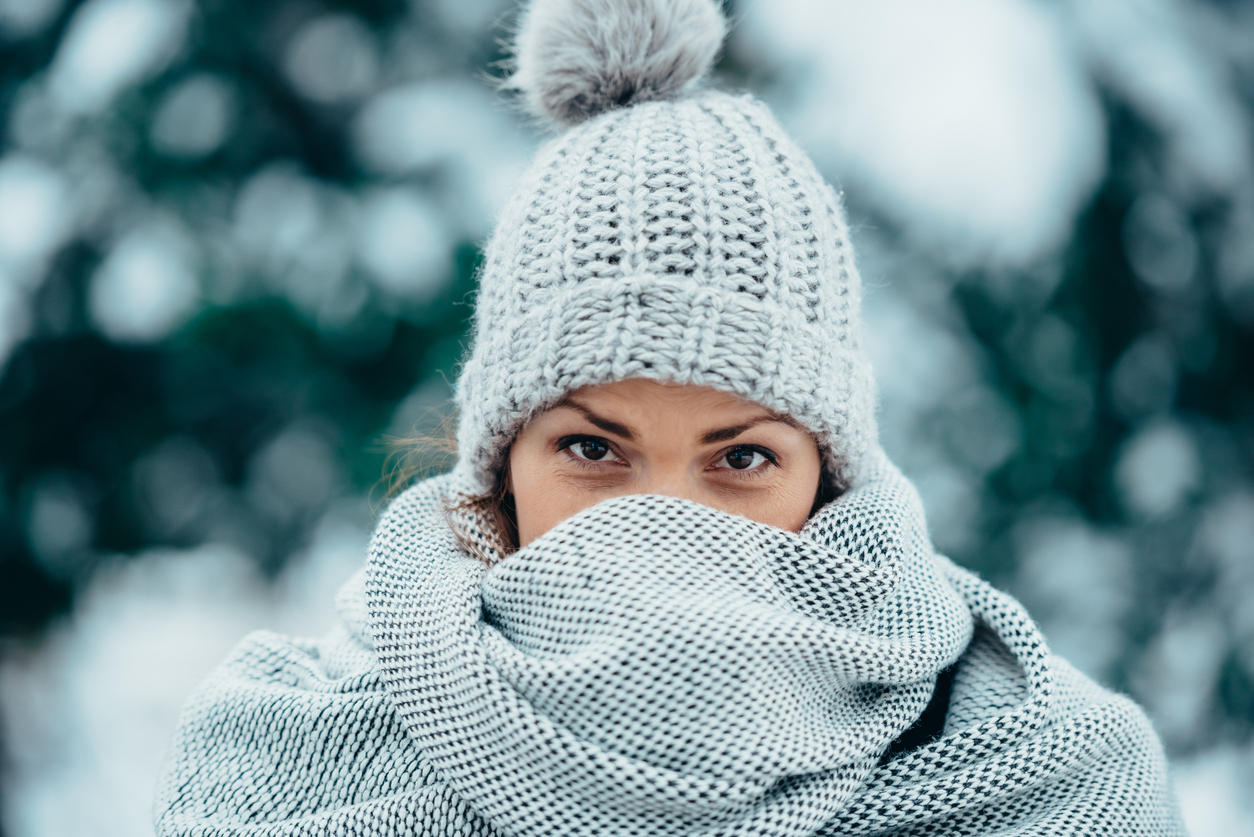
[971, 122]
[111, 44]
[88, 713]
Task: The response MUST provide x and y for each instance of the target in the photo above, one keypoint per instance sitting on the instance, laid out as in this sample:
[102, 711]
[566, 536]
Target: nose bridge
[670, 479]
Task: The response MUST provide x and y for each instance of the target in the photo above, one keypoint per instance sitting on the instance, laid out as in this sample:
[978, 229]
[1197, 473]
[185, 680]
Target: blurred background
[238, 244]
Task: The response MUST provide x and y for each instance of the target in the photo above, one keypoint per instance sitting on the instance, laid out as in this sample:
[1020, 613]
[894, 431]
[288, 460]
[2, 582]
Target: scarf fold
[654, 667]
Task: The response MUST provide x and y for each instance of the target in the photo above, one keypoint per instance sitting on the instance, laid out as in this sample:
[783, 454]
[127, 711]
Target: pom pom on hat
[622, 255]
[575, 59]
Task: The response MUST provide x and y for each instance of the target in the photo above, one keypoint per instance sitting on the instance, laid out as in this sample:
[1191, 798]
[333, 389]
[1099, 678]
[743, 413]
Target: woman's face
[643, 437]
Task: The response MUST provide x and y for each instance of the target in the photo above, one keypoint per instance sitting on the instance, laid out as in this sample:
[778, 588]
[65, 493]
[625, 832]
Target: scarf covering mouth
[653, 667]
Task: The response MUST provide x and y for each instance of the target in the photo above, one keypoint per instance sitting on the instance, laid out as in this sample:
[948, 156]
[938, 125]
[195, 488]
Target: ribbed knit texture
[654, 667]
[689, 241]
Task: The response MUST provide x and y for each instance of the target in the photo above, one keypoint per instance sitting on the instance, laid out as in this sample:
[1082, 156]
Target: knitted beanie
[670, 232]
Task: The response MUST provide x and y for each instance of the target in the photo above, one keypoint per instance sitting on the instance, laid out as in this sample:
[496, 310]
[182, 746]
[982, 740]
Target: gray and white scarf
[655, 667]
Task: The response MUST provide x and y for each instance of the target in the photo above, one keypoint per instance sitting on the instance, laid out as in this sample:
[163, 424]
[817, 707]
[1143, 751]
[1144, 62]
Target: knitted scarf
[654, 667]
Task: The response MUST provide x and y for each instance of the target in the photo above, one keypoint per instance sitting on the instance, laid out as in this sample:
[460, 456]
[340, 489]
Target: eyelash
[767, 454]
[567, 442]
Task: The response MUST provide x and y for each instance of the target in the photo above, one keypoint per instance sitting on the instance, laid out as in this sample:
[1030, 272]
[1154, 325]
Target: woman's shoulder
[427, 500]
[992, 681]
[1009, 682]
[1029, 743]
[340, 662]
[289, 729]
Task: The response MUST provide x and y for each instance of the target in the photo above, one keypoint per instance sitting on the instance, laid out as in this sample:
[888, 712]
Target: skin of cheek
[779, 505]
[666, 457]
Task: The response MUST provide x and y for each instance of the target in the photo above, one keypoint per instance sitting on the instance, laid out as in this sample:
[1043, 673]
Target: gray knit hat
[670, 232]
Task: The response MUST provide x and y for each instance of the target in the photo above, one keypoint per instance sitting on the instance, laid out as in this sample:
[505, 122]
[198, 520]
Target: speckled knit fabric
[689, 241]
[654, 667]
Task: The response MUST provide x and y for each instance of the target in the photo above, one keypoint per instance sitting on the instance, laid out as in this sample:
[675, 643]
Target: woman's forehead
[626, 407]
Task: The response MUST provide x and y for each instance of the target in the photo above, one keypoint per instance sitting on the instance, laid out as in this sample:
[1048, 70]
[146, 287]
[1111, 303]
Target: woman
[672, 586]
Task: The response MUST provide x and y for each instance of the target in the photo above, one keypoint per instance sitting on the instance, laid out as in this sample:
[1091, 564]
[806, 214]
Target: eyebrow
[600, 421]
[722, 434]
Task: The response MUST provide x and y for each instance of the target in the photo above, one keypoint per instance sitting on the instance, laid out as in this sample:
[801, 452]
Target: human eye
[588, 449]
[746, 458]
